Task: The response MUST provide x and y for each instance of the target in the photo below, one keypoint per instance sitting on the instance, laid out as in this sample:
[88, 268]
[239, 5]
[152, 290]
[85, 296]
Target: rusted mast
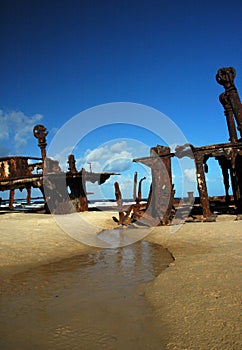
[72, 164]
[230, 100]
[233, 110]
[228, 112]
[40, 132]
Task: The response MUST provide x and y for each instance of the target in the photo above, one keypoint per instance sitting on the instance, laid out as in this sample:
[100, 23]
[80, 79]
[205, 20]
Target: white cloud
[119, 146]
[116, 156]
[214, 179]
[118, 165]
[190, 175]
[108, 154]
[16, 129]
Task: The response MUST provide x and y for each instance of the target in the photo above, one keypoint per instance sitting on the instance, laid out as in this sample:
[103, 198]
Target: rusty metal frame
[228, 155]
[17, 172]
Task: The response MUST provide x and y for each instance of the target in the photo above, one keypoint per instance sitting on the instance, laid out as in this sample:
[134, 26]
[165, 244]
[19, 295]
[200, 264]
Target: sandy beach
[196, 301]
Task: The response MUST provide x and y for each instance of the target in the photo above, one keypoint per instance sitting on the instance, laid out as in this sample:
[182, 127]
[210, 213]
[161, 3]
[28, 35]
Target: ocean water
[38, 203]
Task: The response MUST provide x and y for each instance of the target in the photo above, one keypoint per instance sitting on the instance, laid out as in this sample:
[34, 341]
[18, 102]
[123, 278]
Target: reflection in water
[86, 302]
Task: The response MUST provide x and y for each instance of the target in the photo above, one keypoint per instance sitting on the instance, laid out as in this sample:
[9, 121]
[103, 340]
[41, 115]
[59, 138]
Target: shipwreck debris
[66, 192]
[129, 213]
[19, 172]
[160, 206]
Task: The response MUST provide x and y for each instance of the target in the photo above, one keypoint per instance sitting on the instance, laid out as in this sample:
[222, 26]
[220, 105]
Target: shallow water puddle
[85, 302]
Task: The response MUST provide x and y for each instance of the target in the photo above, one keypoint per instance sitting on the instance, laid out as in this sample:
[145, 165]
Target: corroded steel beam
[229, 156]
[230, 100]
[16, 172]
[161, 193]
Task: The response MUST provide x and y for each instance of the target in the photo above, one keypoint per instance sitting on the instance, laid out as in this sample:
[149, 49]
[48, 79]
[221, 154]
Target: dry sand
[30, 240]
[196, 301]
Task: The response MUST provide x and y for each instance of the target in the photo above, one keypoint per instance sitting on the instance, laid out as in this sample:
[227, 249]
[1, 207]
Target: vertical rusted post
[119, 201]
[238, 163]
[202, 187]
[136, 207]
[83, 193]
[11, 198]
[139, 197]
[28, 198]
[135, 186]
[149, 196]
[236, 180]
[228, 112]
[231, 102]
[40, 132]
[72, 164]
[225, 77]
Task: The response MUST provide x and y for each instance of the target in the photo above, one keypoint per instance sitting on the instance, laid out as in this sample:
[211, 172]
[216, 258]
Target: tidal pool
[89, 302]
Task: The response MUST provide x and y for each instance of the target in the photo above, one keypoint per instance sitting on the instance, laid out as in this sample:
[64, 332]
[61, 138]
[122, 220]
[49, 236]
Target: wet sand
[91, 301]
[196, 301]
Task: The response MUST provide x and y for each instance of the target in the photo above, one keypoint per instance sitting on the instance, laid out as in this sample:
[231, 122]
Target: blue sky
[59, 58]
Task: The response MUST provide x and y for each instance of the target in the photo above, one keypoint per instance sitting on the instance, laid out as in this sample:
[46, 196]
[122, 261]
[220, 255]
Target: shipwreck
[20, 172]
[161, 206]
